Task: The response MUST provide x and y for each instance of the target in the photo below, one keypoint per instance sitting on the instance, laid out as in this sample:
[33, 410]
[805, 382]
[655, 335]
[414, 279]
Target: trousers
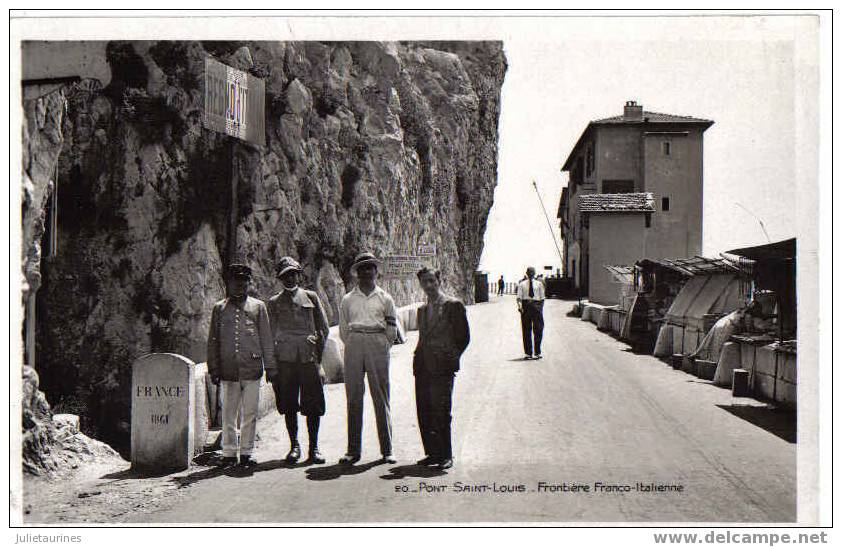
[367, 355]
[433, 402]
[532, 325]
[239, 408]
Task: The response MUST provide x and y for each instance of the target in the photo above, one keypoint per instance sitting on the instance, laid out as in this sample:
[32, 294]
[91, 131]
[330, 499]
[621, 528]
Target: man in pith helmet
[299, 330]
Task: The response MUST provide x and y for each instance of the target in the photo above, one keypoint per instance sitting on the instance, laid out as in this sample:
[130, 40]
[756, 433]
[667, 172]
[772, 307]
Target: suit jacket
[441, 341]
[240, 340]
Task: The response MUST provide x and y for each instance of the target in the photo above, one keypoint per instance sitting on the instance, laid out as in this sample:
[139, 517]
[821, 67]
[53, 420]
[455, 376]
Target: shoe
[445, 463]
[528, 357]
[539, 356]
[294, 453]
[227, 461]
[349, 459]
[388, 458]
[247, 461]
[427, 461]
[316, 456]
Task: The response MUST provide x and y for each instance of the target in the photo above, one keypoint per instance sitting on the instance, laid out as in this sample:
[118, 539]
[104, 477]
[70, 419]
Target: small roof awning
[698, 265]
[780, 250]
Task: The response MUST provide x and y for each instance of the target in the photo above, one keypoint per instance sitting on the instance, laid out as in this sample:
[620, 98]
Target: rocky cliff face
[378, 146]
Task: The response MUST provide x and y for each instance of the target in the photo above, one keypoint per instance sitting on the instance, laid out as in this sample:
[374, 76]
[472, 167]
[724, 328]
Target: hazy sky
[743, 79]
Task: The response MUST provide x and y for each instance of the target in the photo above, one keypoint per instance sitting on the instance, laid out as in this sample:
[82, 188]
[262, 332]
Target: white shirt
[537, 290]
[373, 312]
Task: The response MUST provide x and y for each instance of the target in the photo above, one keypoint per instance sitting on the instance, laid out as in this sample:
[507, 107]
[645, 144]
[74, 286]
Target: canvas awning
[702, 295]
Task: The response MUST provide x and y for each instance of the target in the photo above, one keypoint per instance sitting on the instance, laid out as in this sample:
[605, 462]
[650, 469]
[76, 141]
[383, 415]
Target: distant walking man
[239, 347]
[501, 283]
[530, 304]
[300, 330]
[443, 335]
[368, 328]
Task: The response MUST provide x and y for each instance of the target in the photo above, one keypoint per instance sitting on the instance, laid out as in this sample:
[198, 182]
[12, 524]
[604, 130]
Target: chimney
[633, 111]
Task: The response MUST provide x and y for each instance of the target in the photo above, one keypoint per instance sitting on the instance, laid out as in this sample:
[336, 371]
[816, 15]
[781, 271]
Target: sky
[744, 78]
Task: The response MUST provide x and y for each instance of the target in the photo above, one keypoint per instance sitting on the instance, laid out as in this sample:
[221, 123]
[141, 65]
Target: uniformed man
[300, 330]
[368, 328]
[443, 335]
[239, 348]
[530, 304]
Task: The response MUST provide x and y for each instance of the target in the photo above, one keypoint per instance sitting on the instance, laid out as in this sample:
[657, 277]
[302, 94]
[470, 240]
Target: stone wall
[369, 146]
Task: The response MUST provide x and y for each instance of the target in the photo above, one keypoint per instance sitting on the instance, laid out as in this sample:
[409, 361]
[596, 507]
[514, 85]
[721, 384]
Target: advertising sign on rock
[234, 103]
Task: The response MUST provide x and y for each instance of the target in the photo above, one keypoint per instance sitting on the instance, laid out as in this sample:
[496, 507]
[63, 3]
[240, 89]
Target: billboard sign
[234, 103]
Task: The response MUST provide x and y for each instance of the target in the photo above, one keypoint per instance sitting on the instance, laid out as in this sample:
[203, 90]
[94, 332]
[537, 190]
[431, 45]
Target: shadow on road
[193, 478]
[132, 473]
[332, 472]
[420, 471]
[779, 422]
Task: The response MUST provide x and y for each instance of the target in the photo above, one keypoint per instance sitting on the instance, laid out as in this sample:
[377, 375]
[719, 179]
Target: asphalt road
[590, 413]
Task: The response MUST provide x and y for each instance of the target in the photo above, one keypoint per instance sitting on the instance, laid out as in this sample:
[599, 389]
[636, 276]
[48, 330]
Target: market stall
[767, 344]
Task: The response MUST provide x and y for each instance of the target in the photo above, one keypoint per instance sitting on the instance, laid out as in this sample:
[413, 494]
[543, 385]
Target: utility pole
[549, 224]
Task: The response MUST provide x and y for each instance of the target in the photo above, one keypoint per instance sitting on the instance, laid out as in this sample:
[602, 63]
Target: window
[591, 159]
[648, 220]
[666, 146]
[617, 186]
[665, 204]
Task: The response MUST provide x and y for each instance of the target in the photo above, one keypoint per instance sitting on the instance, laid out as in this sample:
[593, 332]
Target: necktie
[531, 290]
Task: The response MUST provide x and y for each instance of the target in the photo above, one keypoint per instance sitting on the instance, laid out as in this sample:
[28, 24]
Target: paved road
[590, 412]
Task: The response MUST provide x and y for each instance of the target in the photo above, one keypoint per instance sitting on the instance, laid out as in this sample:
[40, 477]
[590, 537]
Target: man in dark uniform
[501, 283]
[443, 335]
[239, 347]
[300, 330]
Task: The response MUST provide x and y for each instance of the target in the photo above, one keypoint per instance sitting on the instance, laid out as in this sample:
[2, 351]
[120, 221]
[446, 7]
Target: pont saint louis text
[540, 487]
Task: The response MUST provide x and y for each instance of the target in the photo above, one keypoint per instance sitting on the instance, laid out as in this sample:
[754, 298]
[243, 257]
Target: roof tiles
[652, 117]
[622, 203]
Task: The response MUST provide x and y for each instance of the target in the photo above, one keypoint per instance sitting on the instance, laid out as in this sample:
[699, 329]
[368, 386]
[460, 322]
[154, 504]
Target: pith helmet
[287, 264]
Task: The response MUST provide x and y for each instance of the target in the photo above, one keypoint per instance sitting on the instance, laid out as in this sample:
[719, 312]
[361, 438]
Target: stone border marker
[163, 412]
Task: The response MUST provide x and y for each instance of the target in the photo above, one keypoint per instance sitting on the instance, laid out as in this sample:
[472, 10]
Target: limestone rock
[369, 146]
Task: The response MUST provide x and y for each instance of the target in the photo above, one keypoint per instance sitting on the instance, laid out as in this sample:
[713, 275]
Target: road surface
[529, 437]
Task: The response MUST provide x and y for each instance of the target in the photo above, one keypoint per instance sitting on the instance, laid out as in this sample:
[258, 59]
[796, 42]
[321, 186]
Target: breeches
[299, 388]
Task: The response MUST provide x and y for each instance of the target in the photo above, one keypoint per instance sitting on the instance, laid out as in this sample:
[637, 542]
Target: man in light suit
[368, 327]
[442, 338]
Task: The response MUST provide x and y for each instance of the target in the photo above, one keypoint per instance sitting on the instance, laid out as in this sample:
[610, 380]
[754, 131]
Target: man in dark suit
[443, 335]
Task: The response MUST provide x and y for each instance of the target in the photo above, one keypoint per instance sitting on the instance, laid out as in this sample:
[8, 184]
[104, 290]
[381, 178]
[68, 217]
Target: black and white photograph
[446, 269]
